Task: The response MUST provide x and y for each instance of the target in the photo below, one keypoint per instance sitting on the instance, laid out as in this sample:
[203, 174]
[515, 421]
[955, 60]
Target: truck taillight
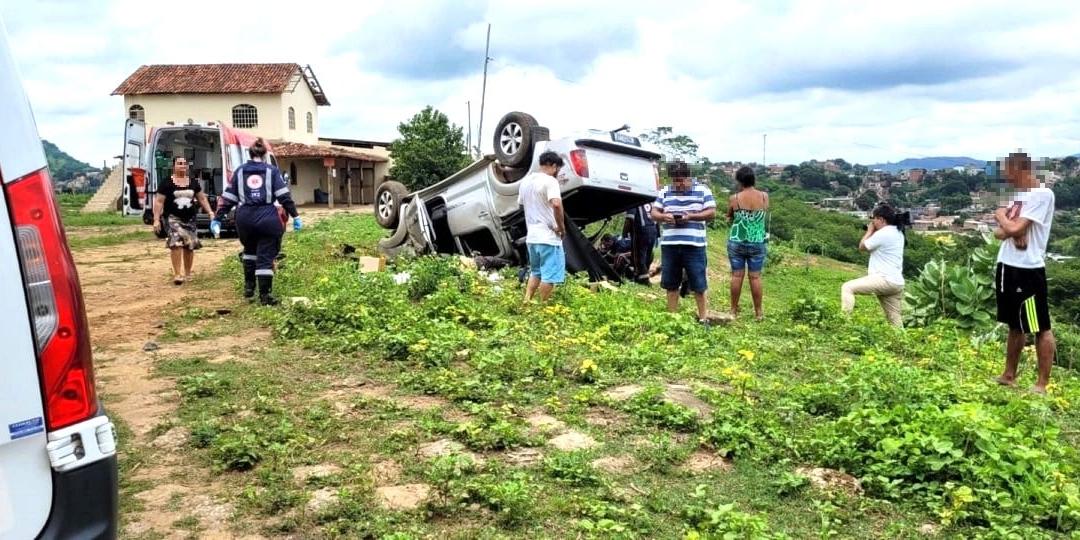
[55, 299]
[579, 163]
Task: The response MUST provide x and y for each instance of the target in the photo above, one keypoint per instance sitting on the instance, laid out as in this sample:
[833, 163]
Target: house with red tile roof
[279, 102]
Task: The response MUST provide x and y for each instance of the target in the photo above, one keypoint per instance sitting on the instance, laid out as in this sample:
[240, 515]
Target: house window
[292, 118]
[292, 173]
[310, 124]
[245, 116]
[136, 112]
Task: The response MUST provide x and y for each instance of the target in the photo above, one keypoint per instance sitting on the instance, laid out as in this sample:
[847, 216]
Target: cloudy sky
[867, 81]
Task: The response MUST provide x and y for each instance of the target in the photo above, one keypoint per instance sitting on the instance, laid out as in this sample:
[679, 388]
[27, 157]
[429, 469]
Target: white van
[213, 151]
[58, 476]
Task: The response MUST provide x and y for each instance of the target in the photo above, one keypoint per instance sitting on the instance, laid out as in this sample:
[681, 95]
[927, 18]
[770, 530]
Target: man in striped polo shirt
[682, 209]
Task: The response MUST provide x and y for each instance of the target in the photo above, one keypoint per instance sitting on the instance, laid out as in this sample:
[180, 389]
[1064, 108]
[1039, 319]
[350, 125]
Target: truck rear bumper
[85, 502]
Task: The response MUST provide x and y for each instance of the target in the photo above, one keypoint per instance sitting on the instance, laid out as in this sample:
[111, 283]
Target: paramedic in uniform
[255, 187]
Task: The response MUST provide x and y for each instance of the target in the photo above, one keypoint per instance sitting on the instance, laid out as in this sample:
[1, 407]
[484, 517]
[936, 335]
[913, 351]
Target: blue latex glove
[297, 224]
[215, 228]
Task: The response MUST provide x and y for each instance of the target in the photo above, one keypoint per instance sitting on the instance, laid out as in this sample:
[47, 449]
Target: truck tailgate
[621, 171]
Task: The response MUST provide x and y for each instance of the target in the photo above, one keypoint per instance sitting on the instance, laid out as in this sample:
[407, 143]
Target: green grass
[110, 239]
[72, 215]
[908, 412]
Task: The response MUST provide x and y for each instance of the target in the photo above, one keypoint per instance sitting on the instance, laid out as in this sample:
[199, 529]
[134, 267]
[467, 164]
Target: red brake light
[56, 304]
[579, 163]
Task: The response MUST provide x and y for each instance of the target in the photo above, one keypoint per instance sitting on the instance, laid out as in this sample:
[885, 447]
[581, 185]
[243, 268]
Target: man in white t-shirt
[1020, 277]
[885, 274]
[541, 197]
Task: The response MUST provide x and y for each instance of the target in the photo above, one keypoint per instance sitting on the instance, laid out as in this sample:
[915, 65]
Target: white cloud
[867, 82]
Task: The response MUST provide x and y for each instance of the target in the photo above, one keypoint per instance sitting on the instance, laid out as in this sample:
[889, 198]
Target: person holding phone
[682, 209]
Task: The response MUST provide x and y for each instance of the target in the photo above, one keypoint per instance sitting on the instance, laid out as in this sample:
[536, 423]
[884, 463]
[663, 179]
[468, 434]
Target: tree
[430, 149]
[1069, 163]
[672, 146]
[866, 200]
[952, 204]
[812, 177]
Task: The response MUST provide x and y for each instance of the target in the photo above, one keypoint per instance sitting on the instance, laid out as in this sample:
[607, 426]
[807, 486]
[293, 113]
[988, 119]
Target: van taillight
[56, 304]
[579, 163]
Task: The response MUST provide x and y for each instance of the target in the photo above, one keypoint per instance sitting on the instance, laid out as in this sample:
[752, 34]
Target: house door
[368, 185]
[356, 182]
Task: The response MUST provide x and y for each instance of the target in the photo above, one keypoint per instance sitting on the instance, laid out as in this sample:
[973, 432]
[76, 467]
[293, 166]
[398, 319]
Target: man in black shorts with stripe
[1020, 277]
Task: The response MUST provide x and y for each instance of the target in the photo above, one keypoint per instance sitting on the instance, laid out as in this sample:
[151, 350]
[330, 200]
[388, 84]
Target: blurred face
[879, 222]
[180, 168]
[682, 183]
[1015, 172]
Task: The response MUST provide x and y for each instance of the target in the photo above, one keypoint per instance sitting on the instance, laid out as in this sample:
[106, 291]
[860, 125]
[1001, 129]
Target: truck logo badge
[624, 177]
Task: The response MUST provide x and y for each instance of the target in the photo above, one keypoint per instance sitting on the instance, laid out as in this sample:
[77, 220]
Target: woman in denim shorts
[747, 212]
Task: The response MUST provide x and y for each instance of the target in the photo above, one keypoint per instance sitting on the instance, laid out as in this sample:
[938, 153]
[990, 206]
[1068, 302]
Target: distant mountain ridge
[929, 163]
[62, 166]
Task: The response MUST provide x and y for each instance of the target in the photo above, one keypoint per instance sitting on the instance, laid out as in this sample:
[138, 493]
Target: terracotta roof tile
[209, 79]
[287, 149]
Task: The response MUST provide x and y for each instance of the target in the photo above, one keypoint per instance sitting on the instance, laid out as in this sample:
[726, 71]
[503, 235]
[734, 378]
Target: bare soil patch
[704, 461]
[407, 497]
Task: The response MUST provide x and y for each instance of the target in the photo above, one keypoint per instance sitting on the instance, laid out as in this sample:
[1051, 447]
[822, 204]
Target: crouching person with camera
[885, 275]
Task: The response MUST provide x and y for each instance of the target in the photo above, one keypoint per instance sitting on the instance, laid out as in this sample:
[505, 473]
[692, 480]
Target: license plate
[623, 138]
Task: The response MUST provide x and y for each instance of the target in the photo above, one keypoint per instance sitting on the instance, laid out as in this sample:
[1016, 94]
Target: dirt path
[129, 297]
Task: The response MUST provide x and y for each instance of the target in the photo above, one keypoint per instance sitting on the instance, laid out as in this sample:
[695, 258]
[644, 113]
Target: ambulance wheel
[388, 199]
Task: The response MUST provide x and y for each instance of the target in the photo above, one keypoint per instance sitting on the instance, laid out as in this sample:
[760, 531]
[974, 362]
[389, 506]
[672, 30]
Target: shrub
[961, 292]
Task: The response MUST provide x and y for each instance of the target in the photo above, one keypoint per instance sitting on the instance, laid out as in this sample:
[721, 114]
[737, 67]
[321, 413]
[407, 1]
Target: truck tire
[513, 141]
[388, 200]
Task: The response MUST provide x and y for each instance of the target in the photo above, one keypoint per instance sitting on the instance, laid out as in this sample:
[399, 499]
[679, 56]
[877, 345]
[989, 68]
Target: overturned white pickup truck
[475, 211]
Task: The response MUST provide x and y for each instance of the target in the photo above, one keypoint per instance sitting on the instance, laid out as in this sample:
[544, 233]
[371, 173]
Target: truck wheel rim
[386, 204]
[510, 138]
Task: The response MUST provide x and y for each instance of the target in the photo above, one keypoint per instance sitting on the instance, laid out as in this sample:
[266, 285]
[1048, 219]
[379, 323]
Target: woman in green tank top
[748, 213]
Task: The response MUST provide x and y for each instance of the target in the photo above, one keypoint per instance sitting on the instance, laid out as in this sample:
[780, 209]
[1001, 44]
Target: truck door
[135, 173]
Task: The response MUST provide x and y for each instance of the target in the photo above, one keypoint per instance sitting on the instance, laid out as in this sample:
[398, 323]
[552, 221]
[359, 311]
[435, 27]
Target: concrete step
[109, 193]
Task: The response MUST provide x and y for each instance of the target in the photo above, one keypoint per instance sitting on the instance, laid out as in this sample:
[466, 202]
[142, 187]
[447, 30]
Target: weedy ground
[443, 407]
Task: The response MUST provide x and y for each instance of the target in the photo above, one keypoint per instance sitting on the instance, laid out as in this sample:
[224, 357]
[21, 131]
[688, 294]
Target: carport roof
[289, 149]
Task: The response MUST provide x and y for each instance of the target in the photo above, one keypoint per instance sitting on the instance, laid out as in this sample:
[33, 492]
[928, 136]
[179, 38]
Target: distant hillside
[929, 163]
[62, 166]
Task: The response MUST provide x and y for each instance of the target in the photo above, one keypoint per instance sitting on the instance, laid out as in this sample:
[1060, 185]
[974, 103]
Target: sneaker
[268, 300]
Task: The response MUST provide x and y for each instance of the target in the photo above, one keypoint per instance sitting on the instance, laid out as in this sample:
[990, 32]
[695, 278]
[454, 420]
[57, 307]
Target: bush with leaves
[963, 291]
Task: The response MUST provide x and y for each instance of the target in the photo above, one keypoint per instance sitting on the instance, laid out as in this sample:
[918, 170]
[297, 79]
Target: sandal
[178, 280]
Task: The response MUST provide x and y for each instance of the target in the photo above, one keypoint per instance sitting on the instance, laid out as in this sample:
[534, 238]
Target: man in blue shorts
[682, 209]
[541, 197]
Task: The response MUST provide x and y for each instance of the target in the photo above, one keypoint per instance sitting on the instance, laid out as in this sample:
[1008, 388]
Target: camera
[900, 220]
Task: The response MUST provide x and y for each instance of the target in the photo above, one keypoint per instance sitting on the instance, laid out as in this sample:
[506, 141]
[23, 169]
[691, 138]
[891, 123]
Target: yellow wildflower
[746, 355]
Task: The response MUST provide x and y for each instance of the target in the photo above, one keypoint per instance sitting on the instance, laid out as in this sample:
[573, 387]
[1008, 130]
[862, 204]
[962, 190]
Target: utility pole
[468, 146]
[763, 135]
[483, 92]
